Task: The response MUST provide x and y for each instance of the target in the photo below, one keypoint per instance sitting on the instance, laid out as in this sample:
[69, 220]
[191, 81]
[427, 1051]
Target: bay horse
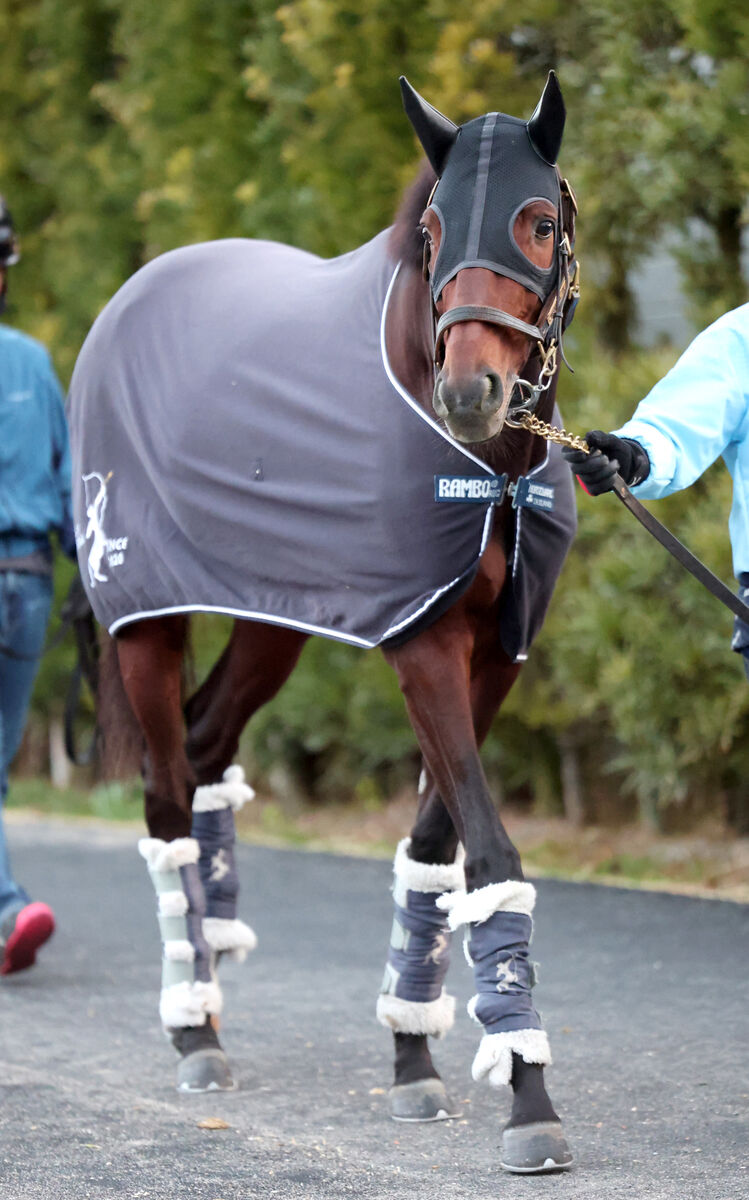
[329, 447]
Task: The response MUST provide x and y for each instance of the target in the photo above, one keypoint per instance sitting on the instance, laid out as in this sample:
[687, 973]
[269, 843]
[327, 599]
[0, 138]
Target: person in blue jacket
[696, 413]
[35, 488]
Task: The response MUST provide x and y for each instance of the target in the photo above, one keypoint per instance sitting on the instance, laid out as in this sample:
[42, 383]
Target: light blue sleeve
[697, 410]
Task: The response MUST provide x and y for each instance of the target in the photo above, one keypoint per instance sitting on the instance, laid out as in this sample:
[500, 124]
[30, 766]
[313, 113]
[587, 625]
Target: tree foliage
[128, 129]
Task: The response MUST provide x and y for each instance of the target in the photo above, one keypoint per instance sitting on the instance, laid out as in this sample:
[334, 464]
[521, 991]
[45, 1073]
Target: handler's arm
[702, 405]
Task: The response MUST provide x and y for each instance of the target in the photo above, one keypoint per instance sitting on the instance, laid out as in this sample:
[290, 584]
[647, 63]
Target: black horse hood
[493, 162]
[489, 170]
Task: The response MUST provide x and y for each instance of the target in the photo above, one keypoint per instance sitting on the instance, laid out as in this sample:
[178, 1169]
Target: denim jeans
[25, 601]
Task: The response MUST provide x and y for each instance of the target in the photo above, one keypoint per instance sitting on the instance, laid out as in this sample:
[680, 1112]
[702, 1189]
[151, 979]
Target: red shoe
[34, 925]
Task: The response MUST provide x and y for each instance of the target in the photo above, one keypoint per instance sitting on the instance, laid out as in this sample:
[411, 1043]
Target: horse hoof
[535, 1149]
[424, 1100]
[205, 1071]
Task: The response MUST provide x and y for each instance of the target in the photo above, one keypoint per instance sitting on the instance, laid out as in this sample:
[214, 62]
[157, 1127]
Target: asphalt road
[645, 998]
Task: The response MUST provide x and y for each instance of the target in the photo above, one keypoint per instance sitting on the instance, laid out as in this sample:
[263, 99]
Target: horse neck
[409, 336]
[409, 340]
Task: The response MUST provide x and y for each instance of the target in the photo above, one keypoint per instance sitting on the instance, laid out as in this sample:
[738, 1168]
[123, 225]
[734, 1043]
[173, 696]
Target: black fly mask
[489, 170]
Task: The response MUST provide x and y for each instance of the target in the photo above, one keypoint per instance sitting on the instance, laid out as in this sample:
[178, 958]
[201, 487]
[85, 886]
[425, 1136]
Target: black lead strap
[680, 552]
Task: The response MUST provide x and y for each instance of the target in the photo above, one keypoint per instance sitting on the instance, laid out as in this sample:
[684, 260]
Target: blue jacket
[35, 471]
[698, 411]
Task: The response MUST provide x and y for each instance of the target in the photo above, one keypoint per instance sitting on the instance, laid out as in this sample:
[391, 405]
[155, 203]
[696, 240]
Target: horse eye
[545, 228]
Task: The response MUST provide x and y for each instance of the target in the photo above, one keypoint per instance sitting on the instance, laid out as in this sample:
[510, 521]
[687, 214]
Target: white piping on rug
[272, 619]
[229, 936]
[433, 1017]
[169, 856]
[412, 403]
[231, 792]
[428, 877]
[409, 620]
[493, 1059]
[184, 1004]
[416, 407]
[248, 614]
[335, 635]
[510, 896]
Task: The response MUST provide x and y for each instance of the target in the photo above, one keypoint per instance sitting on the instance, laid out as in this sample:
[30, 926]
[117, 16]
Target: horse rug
[241, 445]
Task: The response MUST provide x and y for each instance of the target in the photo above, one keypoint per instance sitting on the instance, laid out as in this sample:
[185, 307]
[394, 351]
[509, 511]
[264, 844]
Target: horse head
[498, 253]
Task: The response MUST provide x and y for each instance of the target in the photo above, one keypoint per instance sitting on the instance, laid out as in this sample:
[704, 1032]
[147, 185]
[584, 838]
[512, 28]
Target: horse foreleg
[435, 676]
[492, 677]
[150, 657]
[415, 1095]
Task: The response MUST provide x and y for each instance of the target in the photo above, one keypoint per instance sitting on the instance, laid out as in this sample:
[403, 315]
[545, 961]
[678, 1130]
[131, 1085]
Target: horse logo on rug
[113, 549]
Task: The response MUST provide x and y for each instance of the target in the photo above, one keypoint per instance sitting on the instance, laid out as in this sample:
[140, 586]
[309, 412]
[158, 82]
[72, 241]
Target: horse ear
[546, 126]
[436, 133]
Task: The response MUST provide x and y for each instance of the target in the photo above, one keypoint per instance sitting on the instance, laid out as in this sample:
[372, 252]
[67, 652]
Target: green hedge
[127, 129]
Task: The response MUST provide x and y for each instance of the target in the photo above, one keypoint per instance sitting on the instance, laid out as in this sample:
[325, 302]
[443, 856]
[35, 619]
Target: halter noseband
[556, 314]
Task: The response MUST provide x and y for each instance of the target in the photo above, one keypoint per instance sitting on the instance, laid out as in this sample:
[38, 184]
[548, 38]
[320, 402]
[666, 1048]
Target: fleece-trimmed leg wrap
[412, 997]
[233, 792]
[213, 811]
[493, 1059]
[188, 990]
[233, 937]
[499, 930]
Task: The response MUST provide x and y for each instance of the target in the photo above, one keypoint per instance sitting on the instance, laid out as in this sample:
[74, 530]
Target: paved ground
[645, 999]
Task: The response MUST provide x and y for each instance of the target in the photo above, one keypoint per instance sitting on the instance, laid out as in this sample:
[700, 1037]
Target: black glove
[610, 454]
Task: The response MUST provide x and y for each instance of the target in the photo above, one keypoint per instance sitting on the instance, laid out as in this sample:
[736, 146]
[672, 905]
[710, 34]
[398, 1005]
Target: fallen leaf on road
[377, 1091]
[213, 1123]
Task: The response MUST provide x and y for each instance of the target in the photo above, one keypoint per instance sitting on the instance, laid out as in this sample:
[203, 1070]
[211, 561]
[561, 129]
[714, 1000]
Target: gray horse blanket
[240, 445]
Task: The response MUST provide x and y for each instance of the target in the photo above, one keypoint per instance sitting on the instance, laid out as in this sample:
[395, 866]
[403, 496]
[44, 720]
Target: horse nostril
[439, 401]
[492, 392]
[477, 394]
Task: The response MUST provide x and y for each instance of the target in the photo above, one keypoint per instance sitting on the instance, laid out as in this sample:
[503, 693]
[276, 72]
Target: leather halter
[557, 311]
[482, 312]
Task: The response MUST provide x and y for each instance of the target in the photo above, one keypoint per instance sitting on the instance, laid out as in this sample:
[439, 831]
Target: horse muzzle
[473, 408]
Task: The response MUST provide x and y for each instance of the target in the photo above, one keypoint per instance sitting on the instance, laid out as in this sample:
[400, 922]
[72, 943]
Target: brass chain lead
[550, 432]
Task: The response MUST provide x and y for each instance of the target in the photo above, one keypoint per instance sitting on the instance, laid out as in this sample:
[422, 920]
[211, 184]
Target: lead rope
[562, 437]
[677, 549]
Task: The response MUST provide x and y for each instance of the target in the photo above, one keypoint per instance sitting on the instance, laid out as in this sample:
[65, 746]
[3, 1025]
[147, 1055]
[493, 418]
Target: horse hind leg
[413, 1001]
[256, 662]
[150, 657]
